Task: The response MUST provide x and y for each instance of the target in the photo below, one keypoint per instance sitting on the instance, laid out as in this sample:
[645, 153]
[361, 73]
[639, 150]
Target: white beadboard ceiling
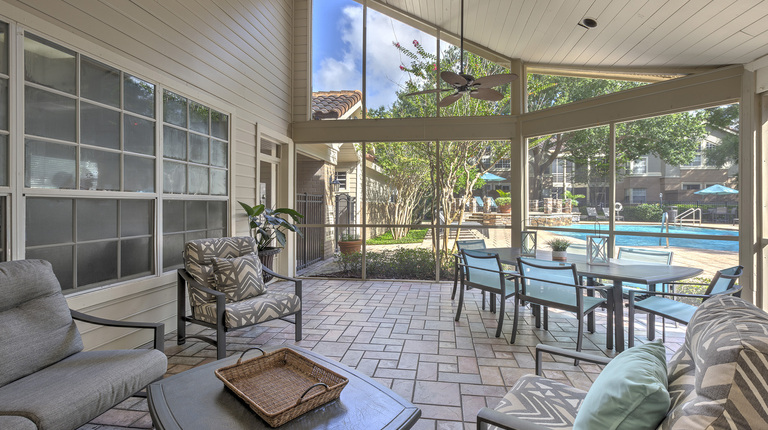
[631, 34]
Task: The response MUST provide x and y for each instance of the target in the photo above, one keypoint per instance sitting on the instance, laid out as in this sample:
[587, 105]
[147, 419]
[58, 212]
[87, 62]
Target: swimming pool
[622, 240]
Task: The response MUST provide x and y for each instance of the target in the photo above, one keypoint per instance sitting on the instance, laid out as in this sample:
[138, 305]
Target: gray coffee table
[196, 399]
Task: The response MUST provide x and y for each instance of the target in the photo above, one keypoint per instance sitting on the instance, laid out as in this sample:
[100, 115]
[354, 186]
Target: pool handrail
[690, 212]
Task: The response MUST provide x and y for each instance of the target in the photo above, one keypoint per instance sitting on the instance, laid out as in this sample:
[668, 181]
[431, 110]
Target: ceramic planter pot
[559, 255]
[350, 246]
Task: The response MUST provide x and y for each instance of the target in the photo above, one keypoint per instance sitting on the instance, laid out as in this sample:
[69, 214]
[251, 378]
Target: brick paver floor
[403, 334]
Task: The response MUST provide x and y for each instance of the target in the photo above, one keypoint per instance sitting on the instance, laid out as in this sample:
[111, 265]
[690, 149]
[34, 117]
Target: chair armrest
[159, 328]
[505, 421]
[541, 348]
[296, 282]
[194, 284]
[633, 293]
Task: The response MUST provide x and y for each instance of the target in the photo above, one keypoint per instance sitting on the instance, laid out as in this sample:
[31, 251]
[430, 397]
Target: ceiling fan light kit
[462, 83]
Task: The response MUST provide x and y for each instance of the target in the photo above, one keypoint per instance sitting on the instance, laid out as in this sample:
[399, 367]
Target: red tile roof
[333, 104]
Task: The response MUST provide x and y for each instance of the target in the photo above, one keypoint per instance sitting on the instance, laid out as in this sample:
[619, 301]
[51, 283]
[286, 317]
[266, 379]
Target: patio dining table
[618, 271]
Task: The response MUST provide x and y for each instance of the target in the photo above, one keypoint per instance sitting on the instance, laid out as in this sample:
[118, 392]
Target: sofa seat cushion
[717, 379]
[542, 401]
[69, 393]
[263, 307]
[16, 423]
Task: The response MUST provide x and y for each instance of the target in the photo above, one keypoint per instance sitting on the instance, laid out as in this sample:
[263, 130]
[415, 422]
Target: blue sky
[337, 39]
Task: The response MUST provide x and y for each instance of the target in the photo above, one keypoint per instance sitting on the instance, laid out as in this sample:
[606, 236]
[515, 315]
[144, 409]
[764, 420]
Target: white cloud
[384, 59]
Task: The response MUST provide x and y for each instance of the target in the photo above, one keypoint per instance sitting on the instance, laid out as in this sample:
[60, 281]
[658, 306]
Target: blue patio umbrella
[490, 177]
[717, 190]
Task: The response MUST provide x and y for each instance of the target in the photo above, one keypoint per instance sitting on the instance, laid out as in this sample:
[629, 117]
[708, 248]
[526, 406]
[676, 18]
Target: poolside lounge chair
[592, 214]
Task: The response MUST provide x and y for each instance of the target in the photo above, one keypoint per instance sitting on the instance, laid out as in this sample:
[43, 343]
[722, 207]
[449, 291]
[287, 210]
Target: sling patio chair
[551, 284]
[484, 272]
[659, 303]
[460, 246]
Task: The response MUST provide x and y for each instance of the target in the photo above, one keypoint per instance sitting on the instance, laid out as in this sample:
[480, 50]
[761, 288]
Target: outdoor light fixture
[588, 23]
[528, 243]
[335, 185]
[597, 250]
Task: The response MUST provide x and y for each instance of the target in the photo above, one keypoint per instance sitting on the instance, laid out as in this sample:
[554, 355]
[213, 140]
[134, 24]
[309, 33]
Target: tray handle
[319, 384]
[249, 349]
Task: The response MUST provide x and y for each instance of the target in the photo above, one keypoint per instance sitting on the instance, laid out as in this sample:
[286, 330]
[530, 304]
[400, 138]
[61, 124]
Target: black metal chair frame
[158, 328]
[579, 310]
[220, 342]
[466, 282]
[732, 290]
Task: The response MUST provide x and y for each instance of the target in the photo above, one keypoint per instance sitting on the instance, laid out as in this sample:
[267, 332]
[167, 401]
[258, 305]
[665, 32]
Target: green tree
[726, 118]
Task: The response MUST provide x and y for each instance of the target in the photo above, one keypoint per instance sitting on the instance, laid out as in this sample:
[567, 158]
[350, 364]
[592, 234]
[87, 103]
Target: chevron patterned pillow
[239, 278]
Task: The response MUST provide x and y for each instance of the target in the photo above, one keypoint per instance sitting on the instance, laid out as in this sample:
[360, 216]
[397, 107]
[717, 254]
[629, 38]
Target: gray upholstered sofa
[47, 381]
[718, 379]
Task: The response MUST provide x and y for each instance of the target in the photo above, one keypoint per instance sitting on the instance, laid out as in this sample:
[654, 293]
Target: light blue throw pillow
[630, 393]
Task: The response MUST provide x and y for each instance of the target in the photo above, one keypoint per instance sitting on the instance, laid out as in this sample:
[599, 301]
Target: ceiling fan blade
[449, 99]
[453, 78]
[439, 90]
[495, 80]
[486, 94]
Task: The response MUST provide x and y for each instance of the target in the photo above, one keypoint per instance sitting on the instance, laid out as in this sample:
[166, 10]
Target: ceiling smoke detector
[588, 23]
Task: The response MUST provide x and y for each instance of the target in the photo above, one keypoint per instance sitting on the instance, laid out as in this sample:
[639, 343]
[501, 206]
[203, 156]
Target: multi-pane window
[185, 220]
[341, 177]
[91, 241]
[691, 187]
[195, 147]
[639, 166]
[195, 163]
[3, 105]
[637, 195]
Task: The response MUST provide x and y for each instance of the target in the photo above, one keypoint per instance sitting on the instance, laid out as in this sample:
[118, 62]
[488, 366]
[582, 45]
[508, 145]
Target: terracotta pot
[267, 258]
[559, 255]
[505, 209]
[350, 246]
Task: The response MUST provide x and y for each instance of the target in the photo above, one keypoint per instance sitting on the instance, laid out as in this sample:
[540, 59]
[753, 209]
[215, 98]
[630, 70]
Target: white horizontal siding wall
[302, 60]
[235, 55]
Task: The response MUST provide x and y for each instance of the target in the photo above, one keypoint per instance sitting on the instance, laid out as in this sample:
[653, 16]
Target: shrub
[413, 236]
[400, 263]
[645, 212]
[503, 201]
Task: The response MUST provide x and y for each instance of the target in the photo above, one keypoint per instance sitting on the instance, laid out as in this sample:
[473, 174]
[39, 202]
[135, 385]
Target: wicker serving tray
[281, 385]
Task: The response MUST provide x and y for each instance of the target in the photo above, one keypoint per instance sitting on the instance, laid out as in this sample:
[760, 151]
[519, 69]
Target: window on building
[696, 162]
[689, 187]
[195, 163]
[342, 178]
[637, 195]
[504, 163]
[639, 166]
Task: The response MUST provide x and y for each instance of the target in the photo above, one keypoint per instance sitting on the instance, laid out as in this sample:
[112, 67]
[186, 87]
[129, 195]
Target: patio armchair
[548, 284]
[47, 380]
[642, 255]
[226, 289]
[714, 380]
[484, 272]
[668, 305]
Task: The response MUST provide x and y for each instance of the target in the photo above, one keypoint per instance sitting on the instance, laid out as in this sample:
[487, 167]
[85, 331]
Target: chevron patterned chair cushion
[717, 379]
[542, 401]
[198, 260]
[239, 278]
[263, 307]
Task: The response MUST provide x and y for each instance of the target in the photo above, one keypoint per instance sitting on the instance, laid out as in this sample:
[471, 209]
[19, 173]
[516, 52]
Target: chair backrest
[607, 211]
[721, 210]
[470, 244]
[198, 261]
[482, 268]
[646, 255]
[36, 327]
[591, 211]
[724, 280]
[544, 274]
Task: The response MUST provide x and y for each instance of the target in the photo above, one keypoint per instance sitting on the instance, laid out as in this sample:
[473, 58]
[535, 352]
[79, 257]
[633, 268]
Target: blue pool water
[621, 240]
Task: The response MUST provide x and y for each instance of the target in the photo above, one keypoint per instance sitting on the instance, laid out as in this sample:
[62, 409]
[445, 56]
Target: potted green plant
[268, 225]
[350, 243]
[559, 247]
[504, 202]
[570, 197]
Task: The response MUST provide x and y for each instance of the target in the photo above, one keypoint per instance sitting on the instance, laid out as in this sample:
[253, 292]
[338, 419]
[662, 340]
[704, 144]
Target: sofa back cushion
[36, 328]
[198, 261]
[718, 377]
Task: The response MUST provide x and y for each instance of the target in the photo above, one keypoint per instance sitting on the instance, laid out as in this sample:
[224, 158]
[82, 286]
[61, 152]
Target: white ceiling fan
[462, 83]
